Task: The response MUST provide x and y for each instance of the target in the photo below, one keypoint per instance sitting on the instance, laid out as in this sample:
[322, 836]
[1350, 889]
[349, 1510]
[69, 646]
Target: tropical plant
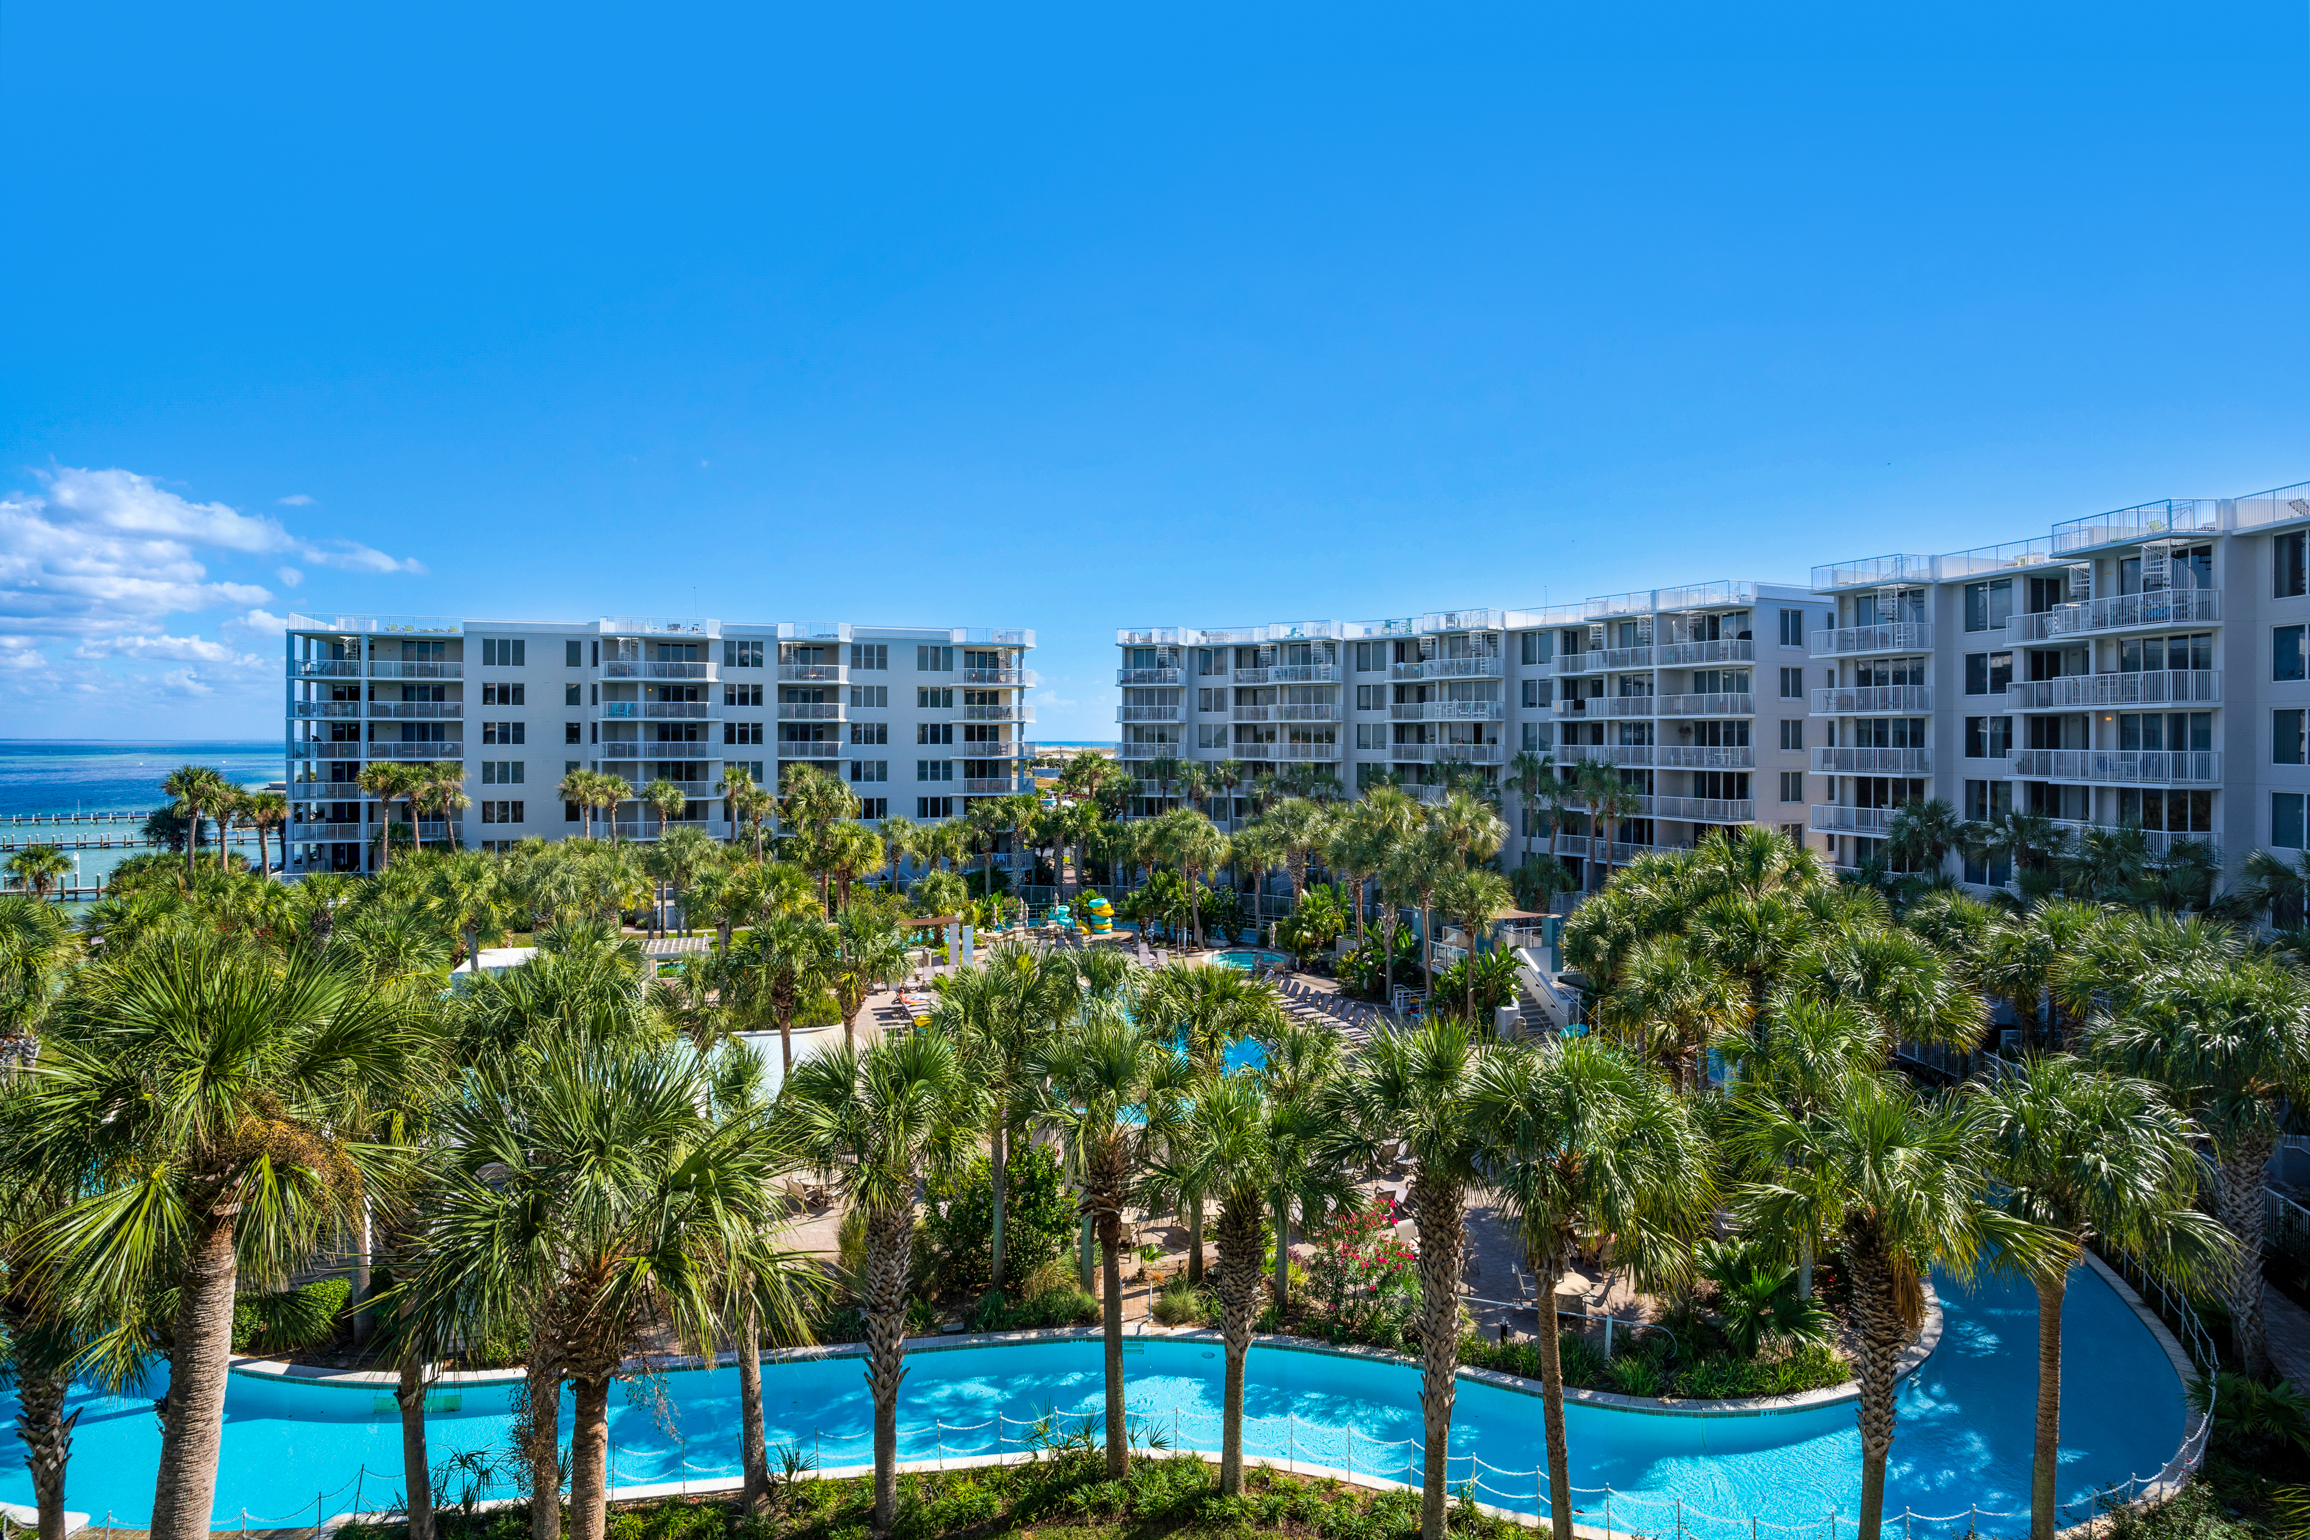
[1002, 1015]
[777, 967]
[38, 869]
[195, 791]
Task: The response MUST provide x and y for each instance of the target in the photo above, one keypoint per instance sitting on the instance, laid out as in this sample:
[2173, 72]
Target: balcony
[1606, 753]
[1291, 751]
[1684, 654]
[1490, 667]
[801, 711]
[1831, 818]
[1856, 641]
[2126, 767]
[2083, 692]
[1148, 713]
[2160, 841]
[417, 671]
[1014, 712]
[1705, 809]
[674, 710]
[1872, 762]
[1446, 711]
[1290, 673]
[998, 786]
[1591, 847]
[1604, 661]
[1604, 705]
[692, 791]
[415, 710]
[1734, 704]
[1691, 756]
[812, 673]
[1325, 713]
[792, 750]
[328, 668]
[1447, 753]
[450, 750]
[618, 750]
[1864, 700]
[309, 833]
[341, 710]
[310, 750]
[1148, 750]
[1012, 678]
[1147, 676]
[2120, 612]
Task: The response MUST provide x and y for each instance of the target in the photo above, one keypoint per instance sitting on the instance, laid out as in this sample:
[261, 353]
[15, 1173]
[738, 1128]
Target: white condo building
[2144, 667]
[1696, 695]
[917, 720]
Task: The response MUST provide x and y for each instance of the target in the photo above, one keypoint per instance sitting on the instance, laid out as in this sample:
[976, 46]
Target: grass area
[1065, 1493]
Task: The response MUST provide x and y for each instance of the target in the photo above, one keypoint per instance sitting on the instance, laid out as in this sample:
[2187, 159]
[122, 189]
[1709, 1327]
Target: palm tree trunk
[1552, 1407]
[2239, 1207]
[193, 1426]
[1427, 950]
[361, 1279]
[753, 1440]
[1110, 1228]
[1195, 1239]
[1882, 1332]
[2044, 1509]
[540, 1440]
[889, 1247]
[1282, 1201]
[1442, 1226]
[1238, 1277]
[416, 1468]
[46, 1431]
[998, 1163]
[265, 852]
[589, 1451]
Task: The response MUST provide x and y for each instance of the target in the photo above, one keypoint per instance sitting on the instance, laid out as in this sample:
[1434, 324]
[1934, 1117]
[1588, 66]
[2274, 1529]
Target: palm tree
[37, 950]
[577, 789]
[596, 1200]
[1164, 770]
[780, 965]
[1188, 841]
[1533, 774]
[1226, 776]
[1898, 1179]
[1415, 869]
[1921, 834]
[874, 1125]
[1364, 835]
[267, 811]
[2087, 1155]
[1003, 1015]
[385, 780]
[754, 804]
[1195, 785]
[609, 791]
[869, 950]
[1417, 1084]
[1589, 1141]
[194, 789]
[2024, 839]
[1105, 1081]
[1303, 831]
[38, 869]
[901, 837]
[666, 798]
[1206, 1008]
[472, 897]
[1473, 896]
[227, 806]
[2228, 1039]
[209, 1095]
[1611, 802]
[1305, 1151]
[442, 792]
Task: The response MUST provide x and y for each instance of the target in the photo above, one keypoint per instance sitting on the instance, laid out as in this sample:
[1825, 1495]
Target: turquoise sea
[48, 785]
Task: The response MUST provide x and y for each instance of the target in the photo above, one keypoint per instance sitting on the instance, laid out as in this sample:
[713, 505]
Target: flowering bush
[1362, 1280]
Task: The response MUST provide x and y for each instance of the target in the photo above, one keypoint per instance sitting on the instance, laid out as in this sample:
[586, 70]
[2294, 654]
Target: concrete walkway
[2288, 1325]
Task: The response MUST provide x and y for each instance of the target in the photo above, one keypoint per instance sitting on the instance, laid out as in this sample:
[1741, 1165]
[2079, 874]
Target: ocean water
[45, 782]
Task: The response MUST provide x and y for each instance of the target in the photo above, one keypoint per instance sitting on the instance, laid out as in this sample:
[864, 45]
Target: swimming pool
[1964, 1436]
[1249, 959]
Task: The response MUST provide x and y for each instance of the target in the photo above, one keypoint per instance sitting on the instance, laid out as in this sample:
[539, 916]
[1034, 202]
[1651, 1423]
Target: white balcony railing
[996, 786]
[2081, 692]
[811, 673]
[1016, 678]
[1275, 751]
[1605, 705]
[341, 709]
[1148, 713]
[1445, 753]
[1147, 676]
[2135, 767]
[619, 750]
[806, 711]
[1010, 712]
[1446, 711]
[1861, 700]
[1872, 762]
[1289, 673]
[2119, 612]
[1730, 704]
[1131, 750]
[1832, 818]
[1287, 713]
[2159, 840]
[328, 668]
[1706, 809]
[788, 749]
[1603, 661]
[1699, 756]
[1615, 754]
[1488, 667]
[675, 710]
[309, 750]
[448, 750]
[310, 832]
[1685, 654]
[417, 670]
[1852, 641]
[415, 710]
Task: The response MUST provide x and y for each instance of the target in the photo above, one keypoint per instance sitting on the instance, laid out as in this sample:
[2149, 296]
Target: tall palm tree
[193, 789]
[39, 869]
[471, 893]
[780, 965]
[1303, 831]
[869, 950]
[1898, 1179]
[1003, 1015]
[608, 792]
[37, 951]
[441, 791]
[386, 780]
[1364, 835]
[874, 1125]
[1207, 1008]
[1226, 776]
[1921, 834]
[1195, 785]
[1473, 896]
[1164, 770]
[209, 1096]
[1187, 839]
[1611, 802]
[901, 837]
[1305, 1151]
[1533, 774]
[667, 799]
[227, 806]
[1415, 869]
[2088, 1155]
[577, 789]
[1587, 1140]
[1104, 1082]
[1417, 1084]
[266, 812]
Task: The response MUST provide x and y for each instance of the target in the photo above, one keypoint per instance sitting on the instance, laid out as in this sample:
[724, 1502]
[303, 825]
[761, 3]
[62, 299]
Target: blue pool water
[1963, 1436]
[1248, 960]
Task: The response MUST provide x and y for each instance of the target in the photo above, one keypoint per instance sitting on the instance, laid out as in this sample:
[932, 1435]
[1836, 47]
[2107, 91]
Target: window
[928, 699]
[870, 697]
[2286, 740]
[1793, 736]
[570, 734]
[501, 812]
[934, 732]
[934, 660]
[2150, 654]
[2286, 652]
[934, 807]
[570, 696]
[1371, 697]
[1792, 628]
[934, 769]
[1206, 700]
[1538, 692]
[871, 770]
[987, 732]
[1988, 605]
[870, 732]
[1792, 684]
[1371, 657]
[873, 809]
[736, 654]
[1539, 646]
[573, 654]
[2286, 819]
[505, 694]
[2165, 731]
[569, 810]
[503, 652]
[2286, 562]
[874, 655]
[1988, 737]
[741, 695]
[742, 732]
[1988, 673]
[502, 772]
[1792, 781]
[502, 732]
[1539, 737]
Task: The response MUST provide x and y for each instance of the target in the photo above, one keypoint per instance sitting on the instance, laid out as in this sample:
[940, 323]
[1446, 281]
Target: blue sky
[1082, 317]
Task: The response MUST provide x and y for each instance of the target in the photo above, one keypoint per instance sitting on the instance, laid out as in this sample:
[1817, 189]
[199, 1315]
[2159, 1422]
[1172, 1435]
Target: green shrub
[1180, 1303]
[1632, 1376]
[1064, 1305]
[287, 1322]
[959, 1221]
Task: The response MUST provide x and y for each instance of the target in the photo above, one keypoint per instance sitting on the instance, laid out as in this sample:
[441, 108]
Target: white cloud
[183, 682]
[183, 649]
[258, 623]
[290, 577]
[295, 500]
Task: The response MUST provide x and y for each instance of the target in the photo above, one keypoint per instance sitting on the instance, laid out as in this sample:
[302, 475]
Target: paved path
[2288, 1325]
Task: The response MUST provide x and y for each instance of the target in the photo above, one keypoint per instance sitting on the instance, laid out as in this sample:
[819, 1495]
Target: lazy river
[295, 1450]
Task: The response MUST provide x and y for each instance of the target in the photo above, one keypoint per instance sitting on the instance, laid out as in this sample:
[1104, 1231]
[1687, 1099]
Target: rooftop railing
[379, 625]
